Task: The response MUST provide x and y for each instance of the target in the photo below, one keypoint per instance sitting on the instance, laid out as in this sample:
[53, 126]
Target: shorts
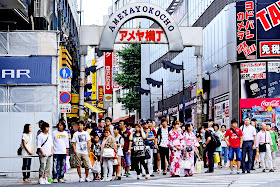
[82, 158]
[237, 151]
[127, 159]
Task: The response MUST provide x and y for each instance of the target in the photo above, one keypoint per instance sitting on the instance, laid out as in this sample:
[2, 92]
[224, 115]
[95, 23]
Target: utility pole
[184, 106]
[198, 54]
[83, 53]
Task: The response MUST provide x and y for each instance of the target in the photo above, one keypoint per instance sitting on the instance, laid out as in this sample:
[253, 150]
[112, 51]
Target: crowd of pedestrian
[109, 150]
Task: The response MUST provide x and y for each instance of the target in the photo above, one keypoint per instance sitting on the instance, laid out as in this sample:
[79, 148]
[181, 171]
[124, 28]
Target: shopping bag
[91, 158]
[217, 158]
[185, 164]
[96, 167]
[198, 166]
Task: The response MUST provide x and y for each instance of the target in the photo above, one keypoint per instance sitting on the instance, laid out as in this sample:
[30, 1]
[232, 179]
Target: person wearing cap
[234, 140]
[40, 130]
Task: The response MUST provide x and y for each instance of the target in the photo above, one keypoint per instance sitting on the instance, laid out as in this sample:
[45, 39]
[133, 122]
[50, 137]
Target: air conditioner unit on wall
[41, 8]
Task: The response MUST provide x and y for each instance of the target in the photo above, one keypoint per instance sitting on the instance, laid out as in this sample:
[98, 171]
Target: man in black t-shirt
[209, 148]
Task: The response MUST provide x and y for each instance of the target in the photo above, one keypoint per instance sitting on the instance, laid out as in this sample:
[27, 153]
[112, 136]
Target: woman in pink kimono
[174, 139]
[190, 145]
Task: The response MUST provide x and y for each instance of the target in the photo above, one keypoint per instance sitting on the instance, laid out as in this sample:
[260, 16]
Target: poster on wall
[221, 110]
[260, 80]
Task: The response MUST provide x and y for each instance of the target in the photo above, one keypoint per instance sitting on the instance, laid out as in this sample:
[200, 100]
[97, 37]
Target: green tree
[130, 76]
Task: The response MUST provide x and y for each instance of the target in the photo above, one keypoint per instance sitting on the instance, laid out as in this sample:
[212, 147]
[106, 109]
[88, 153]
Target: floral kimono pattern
[174, 139]
[189, 140]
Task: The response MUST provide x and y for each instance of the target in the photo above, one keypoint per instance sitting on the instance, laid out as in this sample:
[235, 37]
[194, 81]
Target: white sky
[94, 11]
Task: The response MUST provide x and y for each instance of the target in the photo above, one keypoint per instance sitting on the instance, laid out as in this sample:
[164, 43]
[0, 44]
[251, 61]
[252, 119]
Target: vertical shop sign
[116, 60]
[246, 30]
[93, 82]
[221, 107]
[108, 77]
[101, 96]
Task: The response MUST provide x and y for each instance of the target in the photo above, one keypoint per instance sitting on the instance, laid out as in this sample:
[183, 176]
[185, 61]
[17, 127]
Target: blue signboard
[25, 70]
[65, 73]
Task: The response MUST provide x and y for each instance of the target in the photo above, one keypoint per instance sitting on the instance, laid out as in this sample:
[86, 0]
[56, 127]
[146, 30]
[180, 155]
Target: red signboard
[268, 49]
[266, 102]
[108, 76]
[101, 96]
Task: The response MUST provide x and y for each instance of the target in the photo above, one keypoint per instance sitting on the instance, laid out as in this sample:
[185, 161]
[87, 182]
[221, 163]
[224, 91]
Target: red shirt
[125, 136]
[234, 140]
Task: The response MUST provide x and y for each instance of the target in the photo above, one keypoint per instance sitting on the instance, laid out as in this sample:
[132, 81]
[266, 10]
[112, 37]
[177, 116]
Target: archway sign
[169, 32]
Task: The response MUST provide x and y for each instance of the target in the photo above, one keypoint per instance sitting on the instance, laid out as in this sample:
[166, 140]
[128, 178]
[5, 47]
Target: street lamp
[178, 68]
[143, 91]
[157, 84]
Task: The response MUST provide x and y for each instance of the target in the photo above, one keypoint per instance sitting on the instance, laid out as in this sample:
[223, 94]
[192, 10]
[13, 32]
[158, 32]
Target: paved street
[220, 178]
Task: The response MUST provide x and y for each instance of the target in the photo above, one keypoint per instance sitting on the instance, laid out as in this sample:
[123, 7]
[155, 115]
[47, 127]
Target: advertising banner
[260, 80]
[94, 85]
[108, 77]
[101, 97]
[25, 70]
[116, 60]
[221, 110]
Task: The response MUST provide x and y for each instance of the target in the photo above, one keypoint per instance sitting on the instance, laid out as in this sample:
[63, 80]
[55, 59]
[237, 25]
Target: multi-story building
[37, 39]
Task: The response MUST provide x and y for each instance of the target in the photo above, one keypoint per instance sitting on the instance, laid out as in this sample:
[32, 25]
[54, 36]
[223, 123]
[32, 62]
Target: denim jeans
[225, 154]
[58, 165]
[247, 148]
[26, 166]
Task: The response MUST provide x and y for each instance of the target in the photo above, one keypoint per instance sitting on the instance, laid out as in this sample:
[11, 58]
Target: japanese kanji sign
[246, 30]
[268, 49]
[108, 76]
[251, 71]
[144, 36]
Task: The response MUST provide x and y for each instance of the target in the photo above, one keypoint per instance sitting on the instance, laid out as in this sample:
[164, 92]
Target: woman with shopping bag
[190, 145]
[108, 149]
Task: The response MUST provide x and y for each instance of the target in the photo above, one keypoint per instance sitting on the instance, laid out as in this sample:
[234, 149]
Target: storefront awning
[119, 119]
[93, 108]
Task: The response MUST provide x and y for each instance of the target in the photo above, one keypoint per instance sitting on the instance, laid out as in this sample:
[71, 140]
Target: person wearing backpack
[161, 144]
[209, 147]
[234, 143]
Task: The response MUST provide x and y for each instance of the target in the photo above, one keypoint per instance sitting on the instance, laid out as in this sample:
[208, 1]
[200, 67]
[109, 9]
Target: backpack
[215, 140]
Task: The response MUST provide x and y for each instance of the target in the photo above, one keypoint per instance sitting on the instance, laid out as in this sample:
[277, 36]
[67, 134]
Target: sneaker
[61, 180]
[47, 182]
[271, 170]
[248, 171]
[128, 174]
[138, 177]
[109, 179]
[147, 176]
[231, 172]
[243, 171]
[55, 181]
[41, 181]
[88, 180]
[81, 180]
[238, 172]
[152, 175]
[104, 179]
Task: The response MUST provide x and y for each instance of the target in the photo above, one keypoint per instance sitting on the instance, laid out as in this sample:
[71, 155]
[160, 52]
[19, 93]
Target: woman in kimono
[174, 143]
[190, 145]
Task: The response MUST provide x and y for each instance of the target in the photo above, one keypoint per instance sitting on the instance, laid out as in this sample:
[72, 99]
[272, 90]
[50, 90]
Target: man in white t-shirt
[249, 143]
[45, 151]
[81, 146]
[60, 150]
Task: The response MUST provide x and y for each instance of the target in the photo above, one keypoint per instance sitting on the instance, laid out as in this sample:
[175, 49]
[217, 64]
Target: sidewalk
[72, 177]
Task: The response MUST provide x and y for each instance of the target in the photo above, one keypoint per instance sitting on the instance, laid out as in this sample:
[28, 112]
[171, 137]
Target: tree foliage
[130, 76]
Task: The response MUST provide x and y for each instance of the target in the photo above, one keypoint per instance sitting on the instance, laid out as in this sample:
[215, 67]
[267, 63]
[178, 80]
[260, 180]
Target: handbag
[186, 164]
[189, 149]
[108, 153]
[147, 154]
